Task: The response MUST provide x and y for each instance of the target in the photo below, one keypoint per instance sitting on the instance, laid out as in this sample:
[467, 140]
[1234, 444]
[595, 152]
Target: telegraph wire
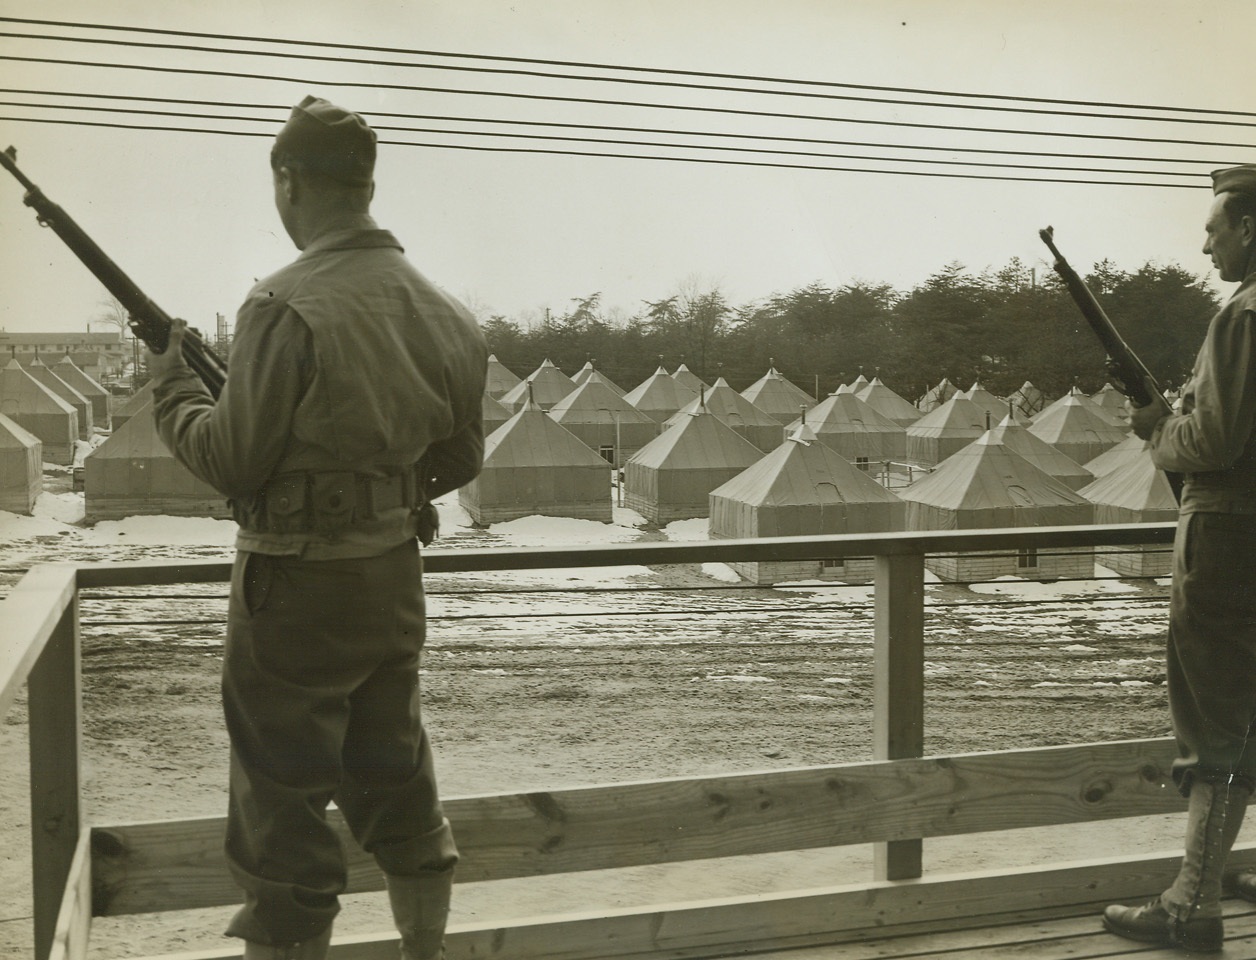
[630, 156]
[674, 84]
[879, 145]
[589, 101]
[619, 67]
[638, 143]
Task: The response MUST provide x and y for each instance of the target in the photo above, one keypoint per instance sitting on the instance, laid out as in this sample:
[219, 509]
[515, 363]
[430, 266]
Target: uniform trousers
[321, 695]
[1211, 656]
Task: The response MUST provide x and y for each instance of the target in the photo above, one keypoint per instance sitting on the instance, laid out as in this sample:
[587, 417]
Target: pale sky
[190, 216]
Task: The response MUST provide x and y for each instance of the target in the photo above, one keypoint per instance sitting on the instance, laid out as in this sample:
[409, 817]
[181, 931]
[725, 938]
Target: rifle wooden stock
[1128, 373]
[147, 320]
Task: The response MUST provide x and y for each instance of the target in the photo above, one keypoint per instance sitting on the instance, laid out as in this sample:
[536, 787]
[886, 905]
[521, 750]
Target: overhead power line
[673, 84]
[462, 118]
[590, 101]
[630, 156]
[626, 68]
[614, 142]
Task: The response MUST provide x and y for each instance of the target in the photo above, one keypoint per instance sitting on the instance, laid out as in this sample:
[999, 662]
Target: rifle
[147, 320]
[1128, 373]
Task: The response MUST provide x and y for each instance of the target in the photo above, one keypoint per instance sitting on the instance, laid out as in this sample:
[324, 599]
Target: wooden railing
[894, 802]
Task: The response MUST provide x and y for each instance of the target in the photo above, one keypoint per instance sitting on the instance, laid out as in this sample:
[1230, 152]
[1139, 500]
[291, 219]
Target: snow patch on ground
[721, 571]
[1016, 586]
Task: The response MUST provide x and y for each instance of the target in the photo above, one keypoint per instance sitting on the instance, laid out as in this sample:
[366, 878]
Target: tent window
[607, 454]
[861, 463]
[1027, 558]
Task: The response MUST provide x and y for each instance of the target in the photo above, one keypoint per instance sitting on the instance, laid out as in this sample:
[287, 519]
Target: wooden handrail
[40, 617]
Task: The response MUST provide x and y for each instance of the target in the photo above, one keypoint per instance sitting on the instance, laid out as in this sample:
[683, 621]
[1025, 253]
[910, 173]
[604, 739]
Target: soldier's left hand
[170, 359]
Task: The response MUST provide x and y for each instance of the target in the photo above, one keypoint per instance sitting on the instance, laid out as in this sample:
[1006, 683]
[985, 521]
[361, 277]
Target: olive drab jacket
[353, 394]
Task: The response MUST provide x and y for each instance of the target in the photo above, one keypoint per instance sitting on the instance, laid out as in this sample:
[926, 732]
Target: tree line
[999, 328]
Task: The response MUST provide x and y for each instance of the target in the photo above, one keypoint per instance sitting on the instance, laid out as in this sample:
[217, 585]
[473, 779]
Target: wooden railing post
[55, 699]
[899, 686]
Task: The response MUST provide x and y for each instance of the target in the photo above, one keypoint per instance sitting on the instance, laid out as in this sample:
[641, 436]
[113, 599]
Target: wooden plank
[30, 614]
[74, 920]
[898, 699]
[55, 706]
[172, 865]
[758, 550]
[739, 925]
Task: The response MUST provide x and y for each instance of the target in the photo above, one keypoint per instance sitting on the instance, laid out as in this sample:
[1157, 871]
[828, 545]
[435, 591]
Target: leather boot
[313, 948]
[420, 907]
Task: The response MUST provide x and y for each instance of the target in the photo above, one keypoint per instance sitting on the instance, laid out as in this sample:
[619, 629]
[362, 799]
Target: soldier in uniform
[1211, 656]
[352, 400]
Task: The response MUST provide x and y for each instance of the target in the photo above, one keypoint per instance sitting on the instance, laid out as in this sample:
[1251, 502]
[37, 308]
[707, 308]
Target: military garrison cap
[329, 140]
[1240, 179]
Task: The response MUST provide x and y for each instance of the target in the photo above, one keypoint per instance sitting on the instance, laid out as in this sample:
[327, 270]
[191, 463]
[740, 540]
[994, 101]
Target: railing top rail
[478, 559]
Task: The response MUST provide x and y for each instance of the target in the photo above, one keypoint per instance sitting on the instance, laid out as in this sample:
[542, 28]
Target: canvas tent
[1077, 427]
[534, 466]
[133, 474]
[986, 485]
[888, 403]
[82, 406]
[851, 428]
[660, 396]
[588, 370]
[137, 401]
[760, 428]
[604, 421]
[997, 407]
[101, 400]
[1029, 400]
[546, 385]
[945, 430]
[803, 488]
[21, 467]
[1136, 492]
[936, 396]
[1132, 447]
[672, 476]
[1017, 438]
[492, 414]
[683, 374]
[38, 410]
[778, 397]
[499, 379]
[1112, 402]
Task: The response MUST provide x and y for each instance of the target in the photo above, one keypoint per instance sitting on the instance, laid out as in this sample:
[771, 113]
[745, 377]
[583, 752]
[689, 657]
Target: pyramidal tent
[1028, 399]
[1017, 438]
[1135, 492]
[1112, 402]
[672, 476]
[134, 474]
[803, 488]
[936, 396]
[660, 396]
[588, 370]
[492, 414]
[546, 385]
[21, 467]
[604, 421]
[499, 379]
[683, 374]
[1075, 426]
[100, 399]
[534, 466]
[137, 401]
[778, 397]
[757, 426]
[986, 485]
[851, 428]
[945, 430]
[889, 404]
[82, 406]
[38, 410]
[996, 406]
[1132, 447]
